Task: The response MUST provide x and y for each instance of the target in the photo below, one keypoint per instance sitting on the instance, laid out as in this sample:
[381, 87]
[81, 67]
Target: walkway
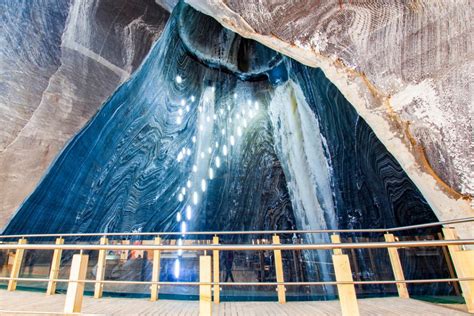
[35, 303]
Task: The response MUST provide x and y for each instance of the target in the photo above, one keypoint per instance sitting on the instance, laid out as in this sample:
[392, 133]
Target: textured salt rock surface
[404, 65]
[184, 146]
[60, 60]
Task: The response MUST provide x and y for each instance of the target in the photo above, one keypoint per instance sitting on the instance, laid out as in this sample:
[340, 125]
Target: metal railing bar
[258, 232]
[250, 247]
[196, 283]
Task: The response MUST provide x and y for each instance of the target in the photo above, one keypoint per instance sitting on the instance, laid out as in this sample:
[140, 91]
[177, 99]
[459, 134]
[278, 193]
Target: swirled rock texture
[59, 61]
[187, 145]
[406, 67]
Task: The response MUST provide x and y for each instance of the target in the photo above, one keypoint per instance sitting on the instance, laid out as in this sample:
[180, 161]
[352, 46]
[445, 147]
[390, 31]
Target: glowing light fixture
[183, 227]
[195, 198]
[188, 212]
[203, 185]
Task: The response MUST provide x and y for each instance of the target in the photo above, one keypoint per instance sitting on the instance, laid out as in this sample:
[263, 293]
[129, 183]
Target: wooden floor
[34, 303]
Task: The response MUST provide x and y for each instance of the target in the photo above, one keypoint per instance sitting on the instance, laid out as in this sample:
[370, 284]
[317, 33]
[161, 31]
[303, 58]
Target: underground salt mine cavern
[234, 157]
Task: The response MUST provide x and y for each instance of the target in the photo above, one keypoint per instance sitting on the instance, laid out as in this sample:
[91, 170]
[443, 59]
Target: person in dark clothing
[228, 262]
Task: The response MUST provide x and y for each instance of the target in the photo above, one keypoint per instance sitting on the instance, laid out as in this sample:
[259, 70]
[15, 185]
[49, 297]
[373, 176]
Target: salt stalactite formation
[231, 137]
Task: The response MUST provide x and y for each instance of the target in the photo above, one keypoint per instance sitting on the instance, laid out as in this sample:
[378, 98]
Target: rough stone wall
[59, 62]
[406, 66]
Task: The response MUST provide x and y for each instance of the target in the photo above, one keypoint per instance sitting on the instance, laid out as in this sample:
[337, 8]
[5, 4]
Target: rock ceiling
[405, 66]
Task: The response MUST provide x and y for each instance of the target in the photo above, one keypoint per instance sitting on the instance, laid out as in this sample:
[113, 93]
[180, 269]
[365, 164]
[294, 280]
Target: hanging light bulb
[224, 150]
[211, 173]
[188, 212]
[178, 217]
[203, 185]
[223, 131]
[188, 184]
[239, 131]
[193, 98]
[179, 120]
[232, 140]
[218, 162]
[183, 190]
[183, 102]
[193, 139]
[195, 168]
[209, 150]
[178, 79]
[195, 198]
[183, 227]
[180, 197]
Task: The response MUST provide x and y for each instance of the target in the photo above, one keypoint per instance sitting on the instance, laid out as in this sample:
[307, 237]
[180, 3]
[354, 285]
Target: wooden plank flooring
[35, 303]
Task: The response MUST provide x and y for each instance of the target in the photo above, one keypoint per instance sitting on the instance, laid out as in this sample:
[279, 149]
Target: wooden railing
[209, 283]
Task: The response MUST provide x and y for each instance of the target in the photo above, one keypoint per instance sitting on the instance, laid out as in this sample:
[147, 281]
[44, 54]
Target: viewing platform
[150, 273]
[34, 303]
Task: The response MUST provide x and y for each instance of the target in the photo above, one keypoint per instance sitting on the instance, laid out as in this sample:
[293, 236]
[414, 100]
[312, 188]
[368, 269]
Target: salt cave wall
[404, 65]
[60, 60]
[224, 136]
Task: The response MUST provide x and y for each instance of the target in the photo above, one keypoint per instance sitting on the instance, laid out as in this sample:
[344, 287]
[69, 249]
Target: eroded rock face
[60, 61]
[404, 65]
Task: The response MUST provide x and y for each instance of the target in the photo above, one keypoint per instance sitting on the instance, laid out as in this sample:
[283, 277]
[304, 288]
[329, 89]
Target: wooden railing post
[463, 261]
[279, 271]
[336, 239]
[216, 271]
[155, 276]
[54, 272]
[397, 267]
[75, 289]
[205, 291]
[342, 269]
[100, 272]
[16, 265]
